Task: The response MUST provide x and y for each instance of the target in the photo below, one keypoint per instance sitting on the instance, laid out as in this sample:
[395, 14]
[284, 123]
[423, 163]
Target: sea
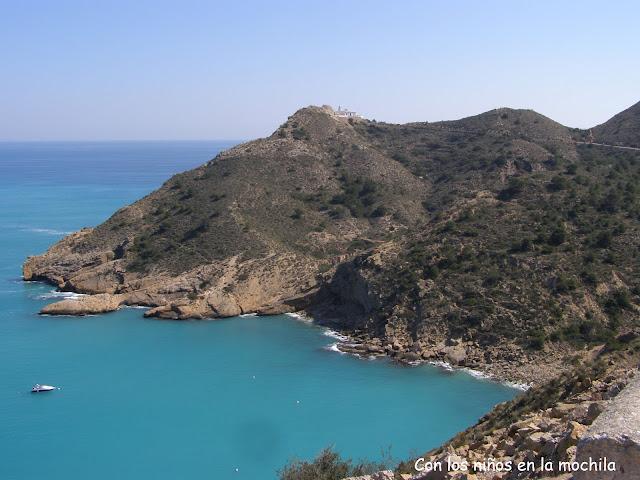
[158, 399]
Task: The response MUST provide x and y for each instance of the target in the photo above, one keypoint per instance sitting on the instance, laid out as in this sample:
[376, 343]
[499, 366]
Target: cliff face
[493, 241]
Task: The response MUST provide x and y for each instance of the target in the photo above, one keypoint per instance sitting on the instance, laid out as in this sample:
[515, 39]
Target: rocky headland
[503, 242]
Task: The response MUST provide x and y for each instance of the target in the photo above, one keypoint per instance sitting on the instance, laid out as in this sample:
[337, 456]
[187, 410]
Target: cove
[145, 398]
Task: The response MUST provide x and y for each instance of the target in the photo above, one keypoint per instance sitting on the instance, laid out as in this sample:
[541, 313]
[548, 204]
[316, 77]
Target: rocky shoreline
[517, 369]
[454, 354]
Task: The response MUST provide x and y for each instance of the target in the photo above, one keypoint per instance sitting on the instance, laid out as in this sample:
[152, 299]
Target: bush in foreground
[328, 465]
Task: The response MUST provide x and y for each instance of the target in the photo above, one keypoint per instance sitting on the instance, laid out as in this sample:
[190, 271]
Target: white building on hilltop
[344, 113]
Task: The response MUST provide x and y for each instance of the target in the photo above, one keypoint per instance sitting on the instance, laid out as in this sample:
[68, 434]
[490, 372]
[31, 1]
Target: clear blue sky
[236, 70]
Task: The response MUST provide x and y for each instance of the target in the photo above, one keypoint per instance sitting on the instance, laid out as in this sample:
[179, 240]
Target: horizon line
[64, 140]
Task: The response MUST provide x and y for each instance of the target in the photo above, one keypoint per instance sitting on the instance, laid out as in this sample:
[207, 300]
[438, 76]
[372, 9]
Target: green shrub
[492, 278]
[359, 197]
[325, 267]
[558, 236]
[432, 271]
[587, 331]
[525, 245]
[564, 284]
[328, 465]
[536, 340]
[297, 214]
[299, 133]
[619, 300]
[589, 277]
[515, 187]
[557, 183]
[379, 211]
[611, 203]
[400, 157]
[602, 239]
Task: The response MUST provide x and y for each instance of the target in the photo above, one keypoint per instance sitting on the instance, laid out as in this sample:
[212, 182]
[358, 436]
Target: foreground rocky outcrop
[382, 475]
[584, 414]
[615, 434]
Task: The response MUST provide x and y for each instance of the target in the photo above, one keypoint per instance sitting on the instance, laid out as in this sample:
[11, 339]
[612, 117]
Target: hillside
[622, 129]
[493, 241]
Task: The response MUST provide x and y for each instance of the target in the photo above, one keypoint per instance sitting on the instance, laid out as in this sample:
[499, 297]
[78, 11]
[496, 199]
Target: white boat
[42, 388]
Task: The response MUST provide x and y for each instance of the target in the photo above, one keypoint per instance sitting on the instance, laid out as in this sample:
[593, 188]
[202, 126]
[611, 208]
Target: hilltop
[622, 129]
[494, 241]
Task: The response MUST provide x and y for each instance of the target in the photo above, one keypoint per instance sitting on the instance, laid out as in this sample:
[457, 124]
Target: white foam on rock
[519, 386]
[443, 365]
[333, 347]
[63, 295]
[337, 335]
[300, 317]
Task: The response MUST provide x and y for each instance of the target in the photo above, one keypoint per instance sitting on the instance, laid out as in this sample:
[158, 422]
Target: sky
[169, 70]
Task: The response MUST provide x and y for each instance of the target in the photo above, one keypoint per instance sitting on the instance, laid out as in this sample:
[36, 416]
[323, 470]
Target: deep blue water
[143, 398]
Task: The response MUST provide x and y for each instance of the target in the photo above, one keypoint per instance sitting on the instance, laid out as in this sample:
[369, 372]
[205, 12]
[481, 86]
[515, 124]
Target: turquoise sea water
[144, 398]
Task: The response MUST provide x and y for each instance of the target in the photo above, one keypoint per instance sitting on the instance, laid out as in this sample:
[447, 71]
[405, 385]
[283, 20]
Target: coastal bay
[184, 392]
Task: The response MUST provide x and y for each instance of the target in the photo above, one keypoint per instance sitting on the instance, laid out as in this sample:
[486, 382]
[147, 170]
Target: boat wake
[46, 231]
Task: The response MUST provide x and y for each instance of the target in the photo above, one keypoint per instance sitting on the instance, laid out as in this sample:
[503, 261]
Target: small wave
[518, 386]
[488, 376]
[63, 295]
[334, 348]
[338, 336]
[300, 317]
[440, 364]
[248, 315]
[46, 231]
[477, 373]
